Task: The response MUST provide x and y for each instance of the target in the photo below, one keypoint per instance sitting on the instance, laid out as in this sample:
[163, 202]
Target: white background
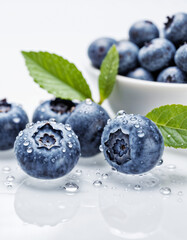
[67, 27]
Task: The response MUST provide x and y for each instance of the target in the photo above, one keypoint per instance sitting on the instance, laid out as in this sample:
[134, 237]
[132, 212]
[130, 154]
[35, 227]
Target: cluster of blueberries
[62, 130]
[147, 56]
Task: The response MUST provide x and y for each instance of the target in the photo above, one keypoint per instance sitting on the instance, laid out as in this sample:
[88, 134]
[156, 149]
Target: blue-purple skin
[156, 54]
[58, 109]
[128, 56]
[98, 50]
[47, 150]
[141, 73]
[12, 120]
[172, 75]
[181, 58]
[143, 31]
[132, 144]
[175, 28]
[88, 121]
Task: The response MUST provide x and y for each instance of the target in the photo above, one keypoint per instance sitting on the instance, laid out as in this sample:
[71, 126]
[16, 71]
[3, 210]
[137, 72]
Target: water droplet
[125, 121]
[67, 127]
[101, 148]
[137, 187]
[139, 120]
[180, 193]
[108, 121]
[88, 101]
[104, 175]
[69, 135]
[20, 133]
[140, 133]
[16, 120]
[42, 109]
[10, 178]
[97, 183]
[6, 169]
[52, 120]
[133, 119]
[171, 167]
[168, 136]
[63, 150]
[78, 172]
[71, 187]
[160, 162]
[70, 145]
[114, 169]
[29, 150]
[26, 143]
[136, 125]
[53, 160]
[165, 191]
[121, 112]
[29, 125]
[8, 184]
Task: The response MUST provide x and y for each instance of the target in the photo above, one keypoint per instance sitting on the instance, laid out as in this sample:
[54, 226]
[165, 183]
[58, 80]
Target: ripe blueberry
[181, 58]
[141, 73]
[172, 75]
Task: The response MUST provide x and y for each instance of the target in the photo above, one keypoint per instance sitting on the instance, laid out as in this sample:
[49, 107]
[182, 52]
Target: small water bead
[42, 109]
[137, 187]
[88, 101]
[29, 125]
[104, 175]
[53, 160]
[160, 162]
[114, 169]
[165, 191]
[63, 150]
[8, 184]
[180, 193]
[52, 120]
[16, 120]
[136, 125]
[67, 127]
[121, 112]
[20, 133]
[69, 135]
[70, 145]
[101, 148]
[29, 150]
[6, 169]
[168, 136]
[26, 143]
[171, 167]
[108, 121]
[10, 178]
[140, 133]
[78, 172]
[125, 121]
[71, 187]
[97, 183]
[133, 119]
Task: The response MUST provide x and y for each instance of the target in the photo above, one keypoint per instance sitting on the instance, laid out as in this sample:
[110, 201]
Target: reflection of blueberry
[176, 28]
[98, 50]
[172, 75]
[181, 58]
[128, 56]
[156, 54]
[141, 73]
[12, 120]
[143, 31]
[88, 120]
[47, 150]
[132, 144]
[58, 109]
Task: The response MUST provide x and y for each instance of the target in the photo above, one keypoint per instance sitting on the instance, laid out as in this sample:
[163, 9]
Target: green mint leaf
[107, 77]
[172, 122]
[57, 75]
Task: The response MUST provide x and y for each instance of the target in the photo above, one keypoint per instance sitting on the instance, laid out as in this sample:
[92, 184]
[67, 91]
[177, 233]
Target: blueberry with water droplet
[47, 152]
[13, 119]
[88, 126]
[131, 150]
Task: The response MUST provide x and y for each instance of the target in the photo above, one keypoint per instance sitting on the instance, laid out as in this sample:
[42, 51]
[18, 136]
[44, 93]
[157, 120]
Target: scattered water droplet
[160, 162]
[180, 193]
[67, 127]
[165, 191]
[101, 148]
[26, 143]
[121, 112]
[70, 145]
[125, 121]
[97, 183]
[104, 175]
[29, 125]
[8, 184]
[71, 187]
[10, 178]
[16, 120]
[6, 169]
[114, 169]
[20, 133]
[168, 136]
[69, 135]
[78, 172]
[133, 119]
[42, 109]
[108, 121]
[63, 150]
[137, 125]
[171, 167]
[52, 120]
[137, 187]
[140, 133]
[29, 150]
[53, 160]
[88, 101]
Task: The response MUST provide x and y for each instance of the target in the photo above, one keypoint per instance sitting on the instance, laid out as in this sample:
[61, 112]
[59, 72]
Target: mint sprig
[172, 122]
[57, 75]
[107, 77]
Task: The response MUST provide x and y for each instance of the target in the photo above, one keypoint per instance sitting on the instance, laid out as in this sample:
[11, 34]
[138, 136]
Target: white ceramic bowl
[139, 96]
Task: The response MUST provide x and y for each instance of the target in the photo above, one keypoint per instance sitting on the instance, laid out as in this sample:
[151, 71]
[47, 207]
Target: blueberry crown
[4, 106]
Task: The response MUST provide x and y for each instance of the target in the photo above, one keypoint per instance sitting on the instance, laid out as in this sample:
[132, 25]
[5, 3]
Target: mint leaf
[172, 122]
[107, 77]
[56, 75]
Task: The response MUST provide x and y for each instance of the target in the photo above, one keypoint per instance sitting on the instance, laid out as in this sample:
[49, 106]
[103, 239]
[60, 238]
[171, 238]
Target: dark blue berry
[181, 58]
[98, 50]
[128, 56]
[176, 28]
[12, 120]
[58, 109]
[141, 73]
[47, 150]
[132, 144]
[142, 32]
[88, 120]
[156, 54]
[172, 75]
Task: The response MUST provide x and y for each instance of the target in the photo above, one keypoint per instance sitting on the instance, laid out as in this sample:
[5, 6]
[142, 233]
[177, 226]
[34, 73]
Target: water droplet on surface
[133, 119]
[108, 121]
[140, 133]
[70, 145]
[88, 101]
[16, 120]
[78, 172]
[121, 112]
[26, 143]
[165, 191]
[136, 125]
[67, 127]
[71, 187]
[42, 109]
[69, 135]
[53, 160]
[97, 183]
[8, 184]
[101, 148]
[63, 150]
[10, 178]
[137, 187]
[125, 121]
[180, 193]
[29, 125]
[104, 175]
[29, 150]
[114, 169]
[52, 120]
[6, 169]
[20, 133]
[171, 167]
[160, 162]
[168, 136]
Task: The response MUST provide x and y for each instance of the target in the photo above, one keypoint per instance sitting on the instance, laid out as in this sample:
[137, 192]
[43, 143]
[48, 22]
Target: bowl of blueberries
[152, 65]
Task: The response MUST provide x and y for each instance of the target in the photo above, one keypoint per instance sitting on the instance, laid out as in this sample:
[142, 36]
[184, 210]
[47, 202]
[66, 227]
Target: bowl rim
[133, 81]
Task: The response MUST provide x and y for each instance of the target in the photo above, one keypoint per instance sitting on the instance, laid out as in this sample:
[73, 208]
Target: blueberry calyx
[61, 106]
[169, 22]
[169, 79]
[4, 106]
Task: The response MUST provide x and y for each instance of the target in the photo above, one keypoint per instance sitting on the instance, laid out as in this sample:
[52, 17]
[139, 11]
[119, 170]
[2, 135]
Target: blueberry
[156, 54]
[143, 31]
[181, 58]
[128, 56]
[98, 50]
[132, 144]
[141, 73]
[47, 150]
[12, 120]
[58, 109]
[176, 28]
[172, 75]
[88, 120]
